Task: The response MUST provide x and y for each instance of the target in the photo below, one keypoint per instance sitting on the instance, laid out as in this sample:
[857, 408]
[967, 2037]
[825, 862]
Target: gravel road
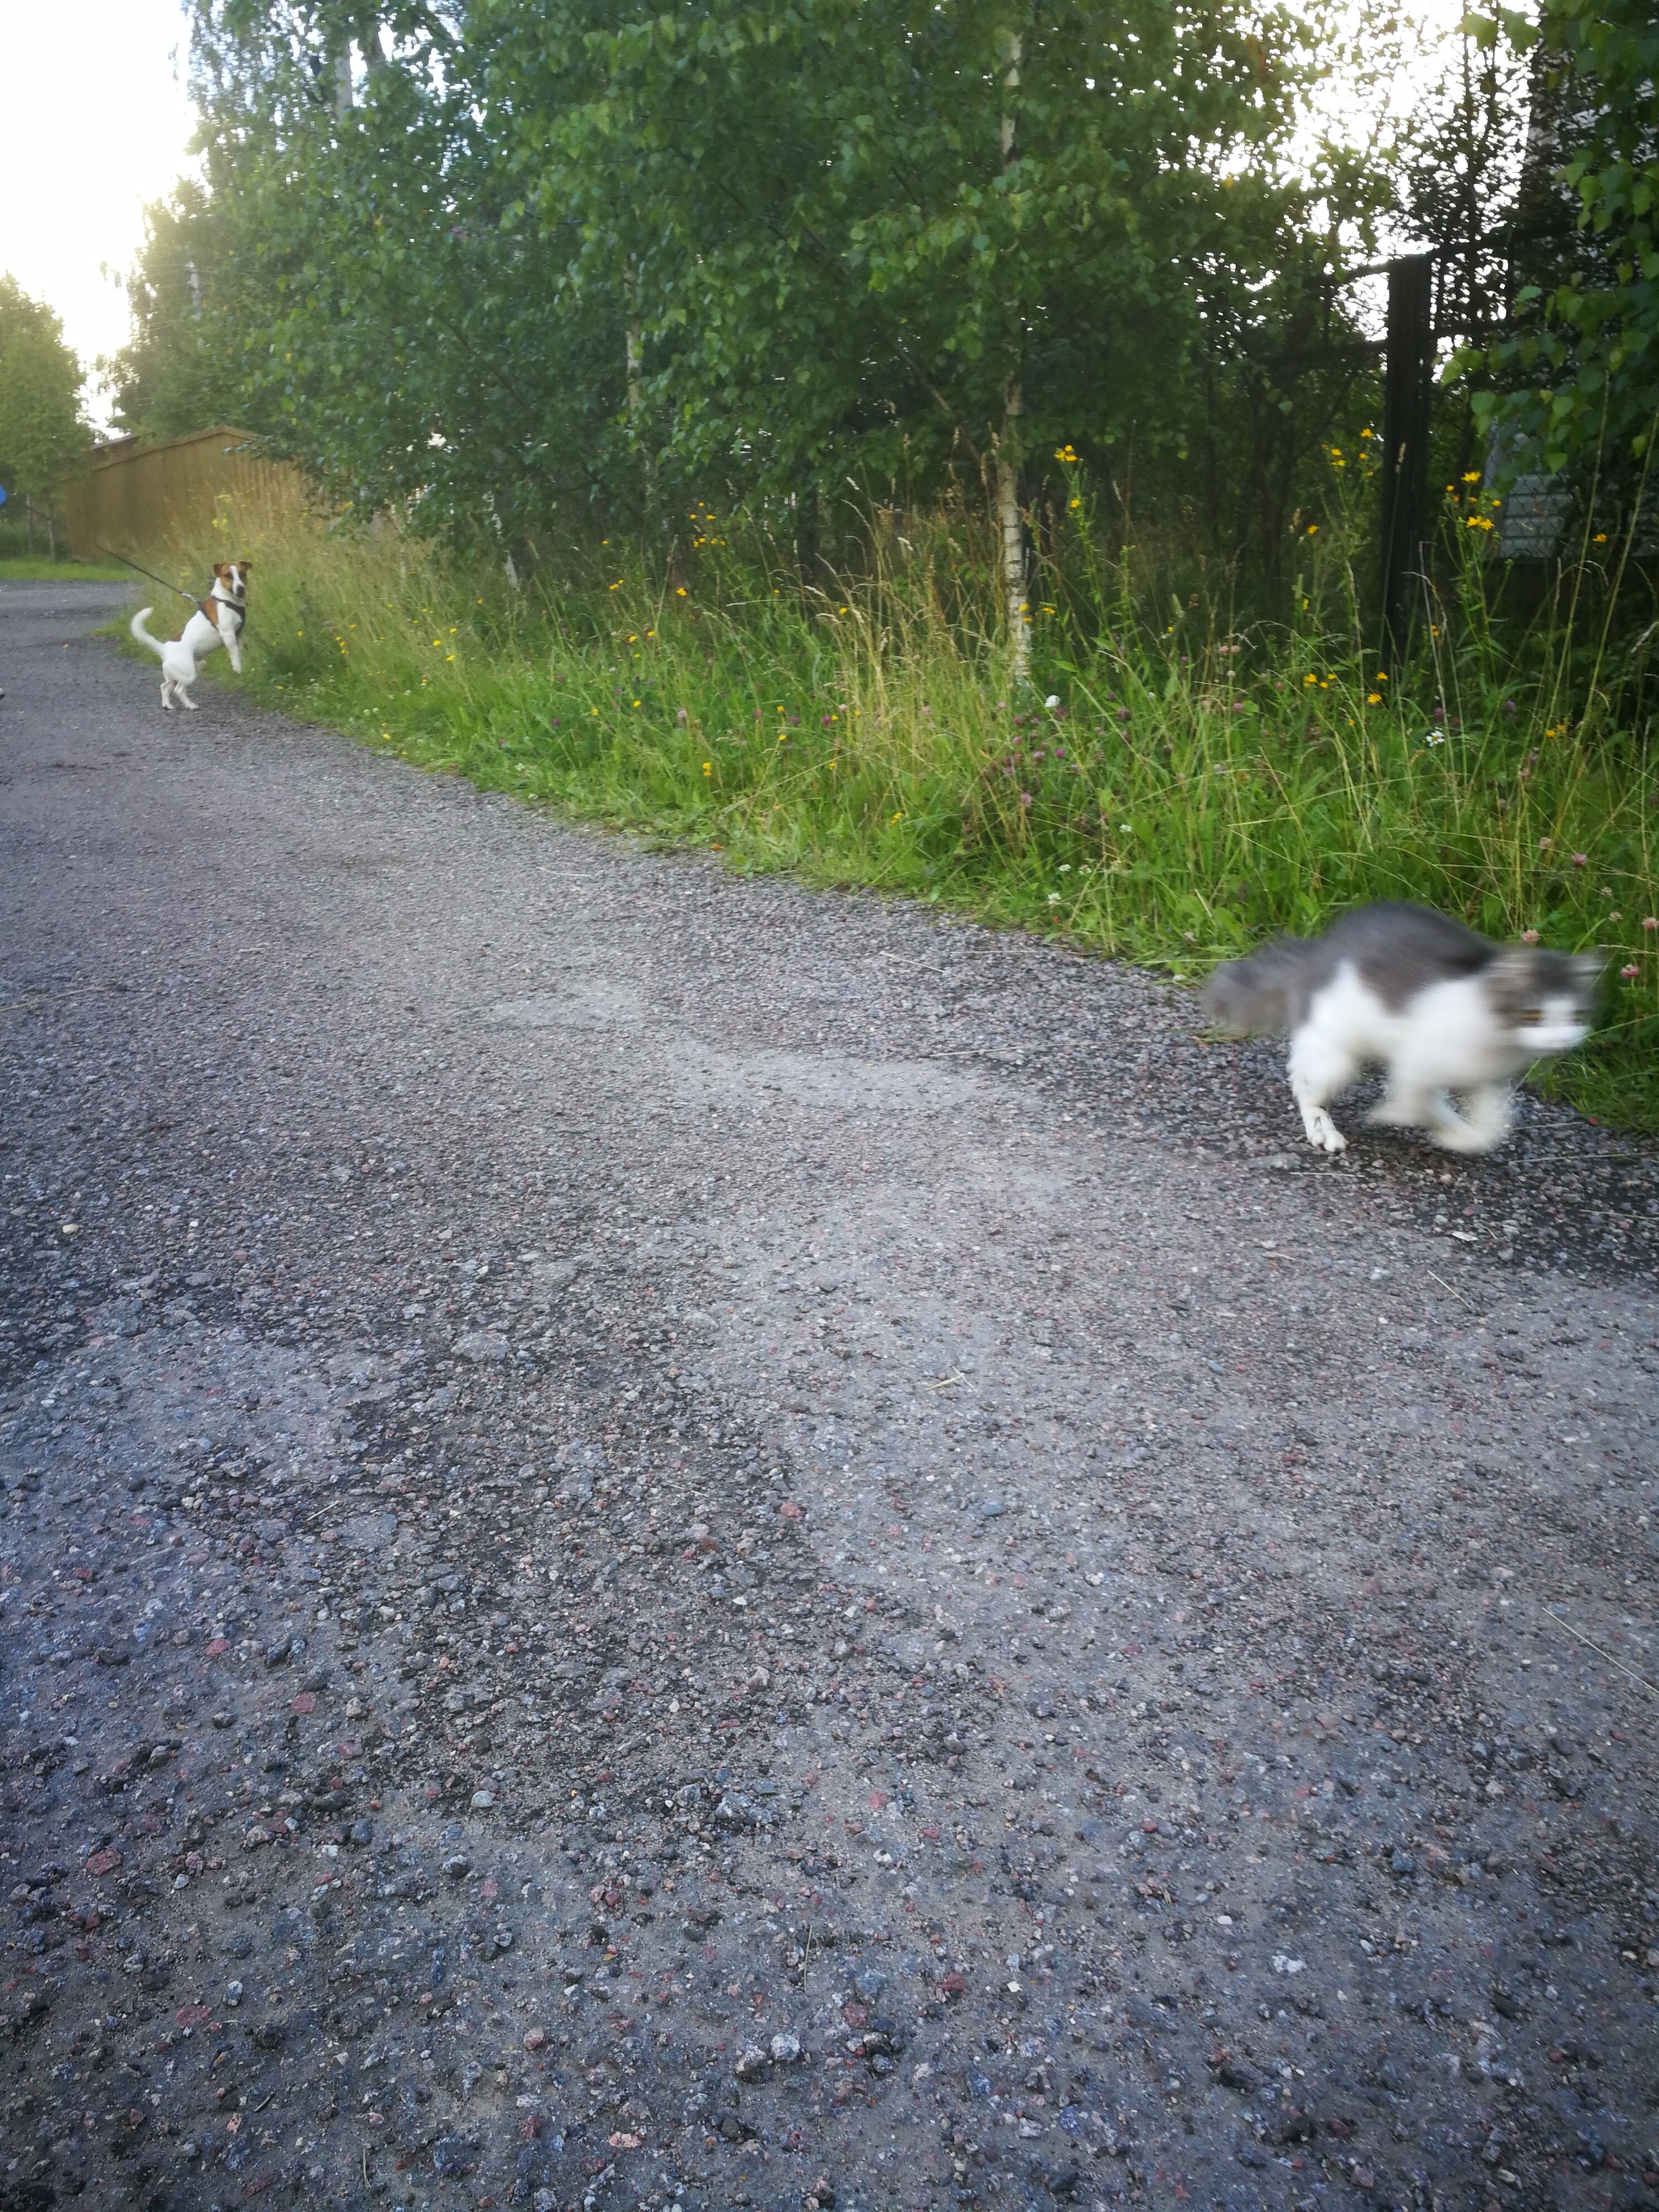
[672, 1541]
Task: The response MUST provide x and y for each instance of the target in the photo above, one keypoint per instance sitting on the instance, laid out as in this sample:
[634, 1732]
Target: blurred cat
[1440, 1009]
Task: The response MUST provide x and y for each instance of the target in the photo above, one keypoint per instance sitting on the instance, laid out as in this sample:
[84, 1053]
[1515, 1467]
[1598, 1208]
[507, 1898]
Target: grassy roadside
[30, 568]
[1186, 792]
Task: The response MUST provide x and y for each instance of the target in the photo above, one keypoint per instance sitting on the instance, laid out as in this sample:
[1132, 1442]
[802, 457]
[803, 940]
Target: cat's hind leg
[1412, 1102]
[1488, 1111]
[1319, 1068]
[1407, 1105]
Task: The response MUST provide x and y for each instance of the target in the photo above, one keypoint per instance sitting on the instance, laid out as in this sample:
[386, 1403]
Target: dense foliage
[537, 273]
[512, 266]
[180, 371]
[43, 430]
[1576, 374]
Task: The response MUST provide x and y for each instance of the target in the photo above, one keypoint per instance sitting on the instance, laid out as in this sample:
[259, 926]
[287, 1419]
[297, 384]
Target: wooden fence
[137, 499]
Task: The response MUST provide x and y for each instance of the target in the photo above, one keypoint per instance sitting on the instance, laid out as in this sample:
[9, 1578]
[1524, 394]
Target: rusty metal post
[1406, 418]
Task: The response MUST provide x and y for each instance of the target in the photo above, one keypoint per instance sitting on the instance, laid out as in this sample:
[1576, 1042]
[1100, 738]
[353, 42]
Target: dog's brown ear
[244, 566]
[220, 567]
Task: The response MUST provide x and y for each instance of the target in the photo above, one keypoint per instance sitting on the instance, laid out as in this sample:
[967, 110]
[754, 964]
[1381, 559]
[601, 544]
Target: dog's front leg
[233, 647]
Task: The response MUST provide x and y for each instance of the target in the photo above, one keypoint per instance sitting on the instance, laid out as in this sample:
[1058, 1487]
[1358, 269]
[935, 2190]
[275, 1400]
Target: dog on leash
[1401, 988]
[218, 620]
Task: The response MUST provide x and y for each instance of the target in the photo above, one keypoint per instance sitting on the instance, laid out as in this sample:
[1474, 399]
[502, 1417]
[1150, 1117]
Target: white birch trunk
[1010, 525]
[633, 353]
[1011, 522]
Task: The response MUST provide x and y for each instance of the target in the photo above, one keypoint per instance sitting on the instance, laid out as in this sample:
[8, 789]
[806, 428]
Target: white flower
[1054, 898]
[1052, 700]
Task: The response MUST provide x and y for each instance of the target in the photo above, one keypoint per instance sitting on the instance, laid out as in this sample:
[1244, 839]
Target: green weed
[1195, 785]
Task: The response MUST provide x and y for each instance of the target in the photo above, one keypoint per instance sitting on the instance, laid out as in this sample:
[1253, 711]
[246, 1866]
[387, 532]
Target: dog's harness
[238, 606]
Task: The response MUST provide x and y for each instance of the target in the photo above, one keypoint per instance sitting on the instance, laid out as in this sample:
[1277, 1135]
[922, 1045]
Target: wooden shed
[136, 498]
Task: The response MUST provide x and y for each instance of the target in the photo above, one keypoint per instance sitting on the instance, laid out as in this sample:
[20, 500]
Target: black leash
[151, 574]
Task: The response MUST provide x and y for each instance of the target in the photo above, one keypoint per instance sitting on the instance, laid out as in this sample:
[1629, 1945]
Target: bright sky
[104, 127]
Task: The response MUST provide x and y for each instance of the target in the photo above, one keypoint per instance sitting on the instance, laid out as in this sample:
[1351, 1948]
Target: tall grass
[1191, 782]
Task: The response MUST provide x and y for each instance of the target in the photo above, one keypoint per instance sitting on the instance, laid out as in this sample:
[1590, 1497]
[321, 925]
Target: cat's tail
[1255, 997]
[137, 626]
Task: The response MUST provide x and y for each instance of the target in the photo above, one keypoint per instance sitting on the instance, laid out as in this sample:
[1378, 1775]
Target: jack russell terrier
[218, 620]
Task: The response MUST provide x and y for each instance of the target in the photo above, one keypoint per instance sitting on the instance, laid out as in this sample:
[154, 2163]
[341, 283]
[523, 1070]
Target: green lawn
[36, 568]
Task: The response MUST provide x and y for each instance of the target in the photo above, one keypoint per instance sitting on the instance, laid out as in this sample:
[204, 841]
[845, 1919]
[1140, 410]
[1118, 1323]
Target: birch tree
[1010, 520]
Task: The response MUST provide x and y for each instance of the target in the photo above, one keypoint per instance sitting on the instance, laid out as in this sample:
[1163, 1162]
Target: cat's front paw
[1324, 1133]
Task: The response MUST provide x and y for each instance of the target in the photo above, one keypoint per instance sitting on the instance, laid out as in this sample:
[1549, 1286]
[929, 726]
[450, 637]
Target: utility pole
[1406, 418]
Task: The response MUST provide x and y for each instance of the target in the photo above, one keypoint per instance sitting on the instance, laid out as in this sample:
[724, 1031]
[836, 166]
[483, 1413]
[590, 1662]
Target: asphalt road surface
[671, 1542]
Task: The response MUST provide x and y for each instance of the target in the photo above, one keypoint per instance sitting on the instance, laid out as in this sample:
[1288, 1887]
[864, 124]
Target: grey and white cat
[1414, 993]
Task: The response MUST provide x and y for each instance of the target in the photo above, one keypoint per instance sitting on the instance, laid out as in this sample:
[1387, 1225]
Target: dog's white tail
[137, 626]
